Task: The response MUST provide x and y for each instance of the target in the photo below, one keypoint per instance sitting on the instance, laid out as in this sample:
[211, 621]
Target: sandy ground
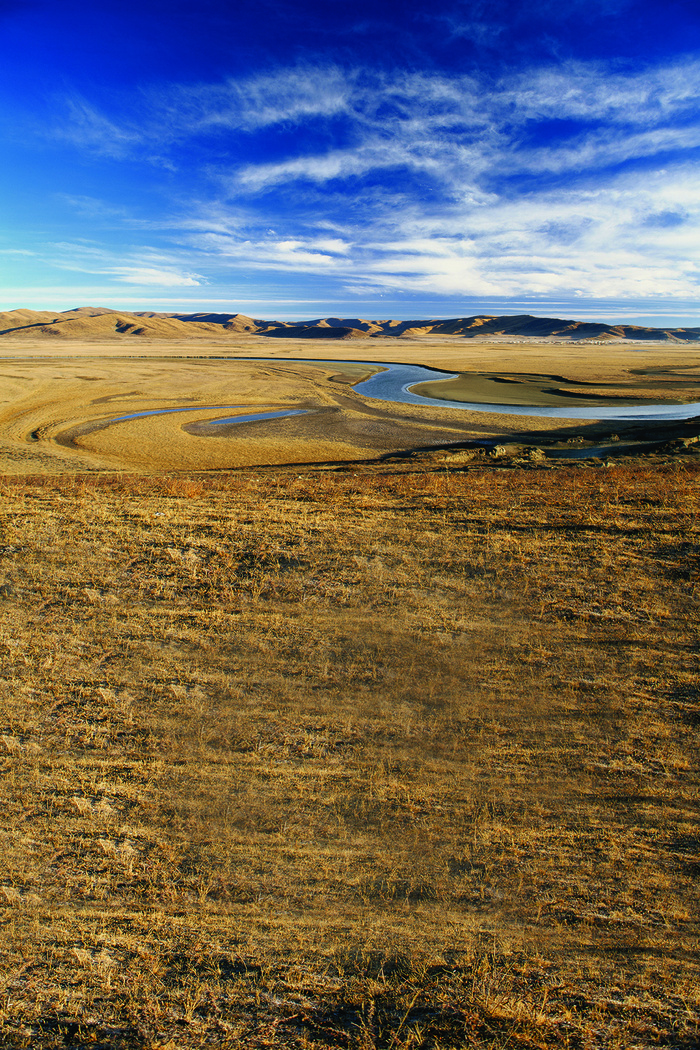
[56, 402]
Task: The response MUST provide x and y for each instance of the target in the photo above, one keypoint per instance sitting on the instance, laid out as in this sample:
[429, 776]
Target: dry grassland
[335, 760]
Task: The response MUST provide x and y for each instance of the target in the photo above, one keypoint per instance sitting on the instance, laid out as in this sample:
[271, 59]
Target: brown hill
[99, 323]
[317, 332]
[527, 326]
[111, 325]
[16, 319]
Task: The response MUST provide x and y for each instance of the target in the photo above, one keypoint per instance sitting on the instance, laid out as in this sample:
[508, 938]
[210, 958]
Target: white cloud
[550, 180]
[267, 253]
[595, 92]
[331, 244]
[149, 275]
[281, 97]
[606, 148]
[135, 265]
[407, 109]
[370, 157]
[466, 137]
[84, 125]
[603, 240]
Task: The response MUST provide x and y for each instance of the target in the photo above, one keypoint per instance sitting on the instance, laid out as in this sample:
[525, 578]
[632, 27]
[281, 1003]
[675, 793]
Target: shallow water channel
[252, 417]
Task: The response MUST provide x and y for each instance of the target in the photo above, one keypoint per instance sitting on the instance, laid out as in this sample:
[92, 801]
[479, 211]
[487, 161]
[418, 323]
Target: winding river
[394, 383]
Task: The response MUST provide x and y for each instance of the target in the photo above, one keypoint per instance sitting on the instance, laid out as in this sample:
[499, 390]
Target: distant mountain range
[99, 323]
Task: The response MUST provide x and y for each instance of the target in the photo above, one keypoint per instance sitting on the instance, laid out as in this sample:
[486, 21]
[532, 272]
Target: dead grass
[360, 761]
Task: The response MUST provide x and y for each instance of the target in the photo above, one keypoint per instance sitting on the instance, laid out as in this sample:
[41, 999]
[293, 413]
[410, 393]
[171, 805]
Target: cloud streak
[569, 179]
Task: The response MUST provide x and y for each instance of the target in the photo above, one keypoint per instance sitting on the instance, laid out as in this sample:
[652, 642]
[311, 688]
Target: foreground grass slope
[351, 760]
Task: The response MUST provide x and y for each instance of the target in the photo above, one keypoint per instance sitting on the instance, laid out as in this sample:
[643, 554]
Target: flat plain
[365, 750]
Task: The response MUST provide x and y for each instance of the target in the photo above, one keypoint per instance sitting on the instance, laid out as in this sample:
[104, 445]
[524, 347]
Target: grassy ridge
[332, 760]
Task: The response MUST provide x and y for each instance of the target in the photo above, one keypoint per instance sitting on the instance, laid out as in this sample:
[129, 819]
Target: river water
[394, 384]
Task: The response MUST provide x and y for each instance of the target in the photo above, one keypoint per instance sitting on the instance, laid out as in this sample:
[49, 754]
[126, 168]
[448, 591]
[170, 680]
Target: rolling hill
[102, 323]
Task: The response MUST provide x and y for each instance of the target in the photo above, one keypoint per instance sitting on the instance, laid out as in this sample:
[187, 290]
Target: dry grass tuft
[323, 760]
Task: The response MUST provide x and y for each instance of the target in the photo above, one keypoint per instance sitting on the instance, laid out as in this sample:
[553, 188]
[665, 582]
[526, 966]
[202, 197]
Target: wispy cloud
[563, 179]
[286, 96]
[139, 266]
[634, 237]
[145, 275]
[395, 106]
[85, 126]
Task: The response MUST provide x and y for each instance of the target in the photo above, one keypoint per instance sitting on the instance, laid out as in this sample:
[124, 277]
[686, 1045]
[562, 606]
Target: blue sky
[294, 159]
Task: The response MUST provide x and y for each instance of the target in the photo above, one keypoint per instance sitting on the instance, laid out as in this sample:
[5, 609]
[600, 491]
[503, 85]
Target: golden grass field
[386, 755]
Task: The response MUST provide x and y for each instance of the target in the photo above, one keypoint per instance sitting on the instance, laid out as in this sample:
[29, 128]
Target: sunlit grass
[358, 760]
